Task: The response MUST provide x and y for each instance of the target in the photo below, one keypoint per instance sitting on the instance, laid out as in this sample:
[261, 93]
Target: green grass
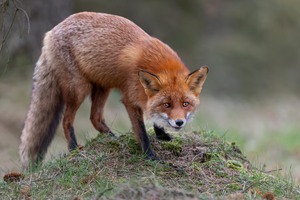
[197, 165]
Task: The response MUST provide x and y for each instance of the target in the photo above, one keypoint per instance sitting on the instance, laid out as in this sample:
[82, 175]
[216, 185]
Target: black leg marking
[73, 143]
[145, 143]
[161, 134]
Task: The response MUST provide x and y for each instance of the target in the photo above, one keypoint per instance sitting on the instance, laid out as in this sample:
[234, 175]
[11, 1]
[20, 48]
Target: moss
[234, 164]
[174, 145]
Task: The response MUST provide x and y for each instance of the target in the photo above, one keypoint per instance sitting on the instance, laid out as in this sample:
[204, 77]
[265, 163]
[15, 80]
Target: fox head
[172, 99]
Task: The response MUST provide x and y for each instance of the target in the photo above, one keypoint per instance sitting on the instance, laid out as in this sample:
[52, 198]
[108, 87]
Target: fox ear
[196, 79]
[150, 82]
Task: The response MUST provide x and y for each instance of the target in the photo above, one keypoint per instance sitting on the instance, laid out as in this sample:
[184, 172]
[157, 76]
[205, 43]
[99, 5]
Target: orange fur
[90, 53]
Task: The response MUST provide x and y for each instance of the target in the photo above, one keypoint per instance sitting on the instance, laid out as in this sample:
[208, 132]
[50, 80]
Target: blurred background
[251, 96]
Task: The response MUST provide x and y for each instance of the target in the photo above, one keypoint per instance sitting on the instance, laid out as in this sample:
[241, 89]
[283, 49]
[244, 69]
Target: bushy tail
[43, 116]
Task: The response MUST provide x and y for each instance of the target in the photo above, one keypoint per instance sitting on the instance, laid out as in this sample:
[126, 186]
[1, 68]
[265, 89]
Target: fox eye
[185, 104]
[167, 105]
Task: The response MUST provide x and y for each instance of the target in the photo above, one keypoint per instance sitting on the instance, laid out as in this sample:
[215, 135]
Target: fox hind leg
[68, 122]
[73, 100]
[99, 96]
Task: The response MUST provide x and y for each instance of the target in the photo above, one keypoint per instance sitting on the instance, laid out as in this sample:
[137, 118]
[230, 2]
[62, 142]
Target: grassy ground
[196, 165]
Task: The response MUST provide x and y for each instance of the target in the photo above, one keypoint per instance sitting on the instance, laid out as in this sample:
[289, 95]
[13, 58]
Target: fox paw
[161, 134]
[164, 137]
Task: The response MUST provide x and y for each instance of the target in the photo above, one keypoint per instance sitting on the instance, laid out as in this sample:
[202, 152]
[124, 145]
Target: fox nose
[179, 122]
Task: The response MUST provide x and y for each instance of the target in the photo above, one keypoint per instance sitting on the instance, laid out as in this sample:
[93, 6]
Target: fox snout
[165, 120]
[177, 124]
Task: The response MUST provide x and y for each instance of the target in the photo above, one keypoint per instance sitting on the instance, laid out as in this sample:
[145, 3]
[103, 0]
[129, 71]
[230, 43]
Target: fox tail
[43, 116]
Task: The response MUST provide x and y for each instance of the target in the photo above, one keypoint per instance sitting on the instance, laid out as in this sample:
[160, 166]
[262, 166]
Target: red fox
[91, 53]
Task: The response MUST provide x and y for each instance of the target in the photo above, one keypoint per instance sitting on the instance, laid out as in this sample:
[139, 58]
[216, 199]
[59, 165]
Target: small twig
[273, 170]
[25, 13]
[247, 188]
[251, 185]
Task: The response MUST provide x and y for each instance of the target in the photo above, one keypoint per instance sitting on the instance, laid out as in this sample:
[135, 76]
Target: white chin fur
[160, 120]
